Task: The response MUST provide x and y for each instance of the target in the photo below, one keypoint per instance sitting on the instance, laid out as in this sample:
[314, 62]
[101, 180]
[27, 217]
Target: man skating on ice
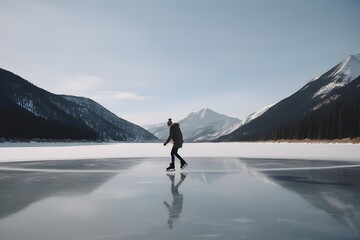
[176, 136]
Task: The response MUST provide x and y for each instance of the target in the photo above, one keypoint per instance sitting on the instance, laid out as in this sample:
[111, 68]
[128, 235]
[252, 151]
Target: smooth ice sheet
[213, 198]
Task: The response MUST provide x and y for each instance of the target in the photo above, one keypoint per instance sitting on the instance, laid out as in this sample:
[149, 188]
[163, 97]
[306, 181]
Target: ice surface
[229, 190]
[216, 198]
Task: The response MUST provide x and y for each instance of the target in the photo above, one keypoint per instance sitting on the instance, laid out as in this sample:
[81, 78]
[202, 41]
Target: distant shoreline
[343, 140]
[89, 142]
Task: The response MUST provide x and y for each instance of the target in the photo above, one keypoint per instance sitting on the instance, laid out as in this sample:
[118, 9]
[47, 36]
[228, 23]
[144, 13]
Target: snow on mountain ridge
[347, 71]
[227, 127]
[249, 118]
[350, 67]
[202, 118]
[202, 125]
[206, 125]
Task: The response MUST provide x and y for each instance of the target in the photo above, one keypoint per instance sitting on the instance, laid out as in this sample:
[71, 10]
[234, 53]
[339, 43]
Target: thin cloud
[119, 95]
[80, 85]
[94, 87]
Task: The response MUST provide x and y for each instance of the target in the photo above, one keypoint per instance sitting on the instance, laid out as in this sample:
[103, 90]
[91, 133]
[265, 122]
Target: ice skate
[183, 165]
[170, 168]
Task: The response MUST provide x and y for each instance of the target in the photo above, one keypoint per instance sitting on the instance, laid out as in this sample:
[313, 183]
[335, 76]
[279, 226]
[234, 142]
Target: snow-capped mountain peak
[344, 73]
[202, 117]
[202, 125]
[205, 112]
[349, 68]
[202, 113]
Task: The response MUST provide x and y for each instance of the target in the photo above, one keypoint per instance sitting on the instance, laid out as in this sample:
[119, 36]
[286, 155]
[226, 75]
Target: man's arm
[169, 138]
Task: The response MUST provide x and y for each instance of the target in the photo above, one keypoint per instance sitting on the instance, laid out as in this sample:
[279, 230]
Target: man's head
[169, 122]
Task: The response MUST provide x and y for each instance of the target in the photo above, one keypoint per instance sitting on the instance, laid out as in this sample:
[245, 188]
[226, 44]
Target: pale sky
[148, 60]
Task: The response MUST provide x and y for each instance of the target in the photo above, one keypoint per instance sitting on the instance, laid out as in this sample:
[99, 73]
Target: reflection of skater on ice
[176, 136]
[178, 199]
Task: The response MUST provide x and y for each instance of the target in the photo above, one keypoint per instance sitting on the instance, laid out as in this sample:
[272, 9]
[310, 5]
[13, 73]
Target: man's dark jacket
[175, 135]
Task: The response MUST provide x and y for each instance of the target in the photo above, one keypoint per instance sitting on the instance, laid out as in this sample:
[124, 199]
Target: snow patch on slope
[227, 127]
[28, 104]
[347, 71]
[325, 102]
[227, 130]
[252, 117]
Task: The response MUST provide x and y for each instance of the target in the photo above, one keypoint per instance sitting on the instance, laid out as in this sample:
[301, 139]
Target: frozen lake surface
[213, 198]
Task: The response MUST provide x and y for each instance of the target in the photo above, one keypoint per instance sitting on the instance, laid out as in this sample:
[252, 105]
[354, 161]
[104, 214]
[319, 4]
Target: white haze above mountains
[207, 125]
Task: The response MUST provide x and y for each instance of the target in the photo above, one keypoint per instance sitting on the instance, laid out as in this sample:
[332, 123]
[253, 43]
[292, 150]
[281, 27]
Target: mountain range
[29, 112]
[327, 107]
[201, 126]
